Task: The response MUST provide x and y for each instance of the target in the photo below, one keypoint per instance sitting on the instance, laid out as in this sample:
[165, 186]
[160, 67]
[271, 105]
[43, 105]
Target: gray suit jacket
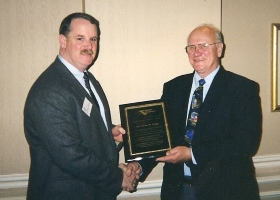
[73, 156]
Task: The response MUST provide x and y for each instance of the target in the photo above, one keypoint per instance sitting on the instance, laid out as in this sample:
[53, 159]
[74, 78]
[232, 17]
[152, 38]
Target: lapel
[186, 88]
[105, 103]
[185, 95]
[177, 93]
[103, 98]
[68, 77]
[211, 101]
[216, 89]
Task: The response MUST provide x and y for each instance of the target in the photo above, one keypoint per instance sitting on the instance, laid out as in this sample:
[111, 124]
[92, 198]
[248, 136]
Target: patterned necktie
[196, 103]
[89, 89]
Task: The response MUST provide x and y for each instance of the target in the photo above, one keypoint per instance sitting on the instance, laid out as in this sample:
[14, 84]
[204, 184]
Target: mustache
[87, 51]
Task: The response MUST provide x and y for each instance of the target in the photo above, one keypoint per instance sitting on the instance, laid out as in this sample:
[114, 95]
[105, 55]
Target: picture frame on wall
[275, 66]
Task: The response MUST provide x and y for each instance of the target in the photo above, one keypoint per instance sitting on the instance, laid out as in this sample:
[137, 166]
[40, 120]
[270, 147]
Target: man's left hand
[118, 131]
[178, 154]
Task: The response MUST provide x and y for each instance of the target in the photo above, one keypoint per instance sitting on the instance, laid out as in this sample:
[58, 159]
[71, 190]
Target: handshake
[131, 175]
[131, 171]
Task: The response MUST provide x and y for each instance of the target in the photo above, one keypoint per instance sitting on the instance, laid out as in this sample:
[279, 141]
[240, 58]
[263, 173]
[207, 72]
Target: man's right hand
[130, 182]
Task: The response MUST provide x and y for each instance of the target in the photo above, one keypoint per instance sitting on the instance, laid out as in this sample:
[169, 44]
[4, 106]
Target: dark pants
[188, 193]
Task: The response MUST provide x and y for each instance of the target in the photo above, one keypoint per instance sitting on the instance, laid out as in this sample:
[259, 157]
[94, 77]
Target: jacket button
[111, 160]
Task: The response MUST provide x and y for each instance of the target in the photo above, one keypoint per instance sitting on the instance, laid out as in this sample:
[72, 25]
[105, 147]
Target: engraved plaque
[147, 134]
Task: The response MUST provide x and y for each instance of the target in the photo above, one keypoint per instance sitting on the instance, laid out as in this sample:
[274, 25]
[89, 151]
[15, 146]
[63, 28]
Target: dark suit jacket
[73, 156]
[227, 136]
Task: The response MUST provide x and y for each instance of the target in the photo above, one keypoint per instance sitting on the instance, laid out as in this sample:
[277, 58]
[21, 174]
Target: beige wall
[247, 30]
[29, 43]
[142, 46]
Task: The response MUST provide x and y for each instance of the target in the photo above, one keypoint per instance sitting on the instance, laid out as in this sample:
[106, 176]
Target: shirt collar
[77, 73]
[208, 79]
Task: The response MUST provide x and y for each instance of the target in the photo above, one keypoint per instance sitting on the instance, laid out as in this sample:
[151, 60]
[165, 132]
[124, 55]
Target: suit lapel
[103, 98]
[68, 77]
[216, 89]
[177, 95]
[186, 88]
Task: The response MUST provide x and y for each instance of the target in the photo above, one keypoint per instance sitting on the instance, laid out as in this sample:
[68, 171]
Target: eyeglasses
[202, 47]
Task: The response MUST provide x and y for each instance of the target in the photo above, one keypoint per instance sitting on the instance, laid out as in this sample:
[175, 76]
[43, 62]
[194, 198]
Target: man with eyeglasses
[213, 159]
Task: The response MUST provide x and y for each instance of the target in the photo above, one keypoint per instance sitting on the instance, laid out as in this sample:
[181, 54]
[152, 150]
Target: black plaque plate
[147, 134]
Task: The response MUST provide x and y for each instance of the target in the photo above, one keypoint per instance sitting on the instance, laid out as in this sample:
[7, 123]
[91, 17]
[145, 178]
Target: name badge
[87, 105]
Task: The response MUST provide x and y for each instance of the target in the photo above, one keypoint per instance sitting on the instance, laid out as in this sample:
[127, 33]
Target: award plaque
[147, 134]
